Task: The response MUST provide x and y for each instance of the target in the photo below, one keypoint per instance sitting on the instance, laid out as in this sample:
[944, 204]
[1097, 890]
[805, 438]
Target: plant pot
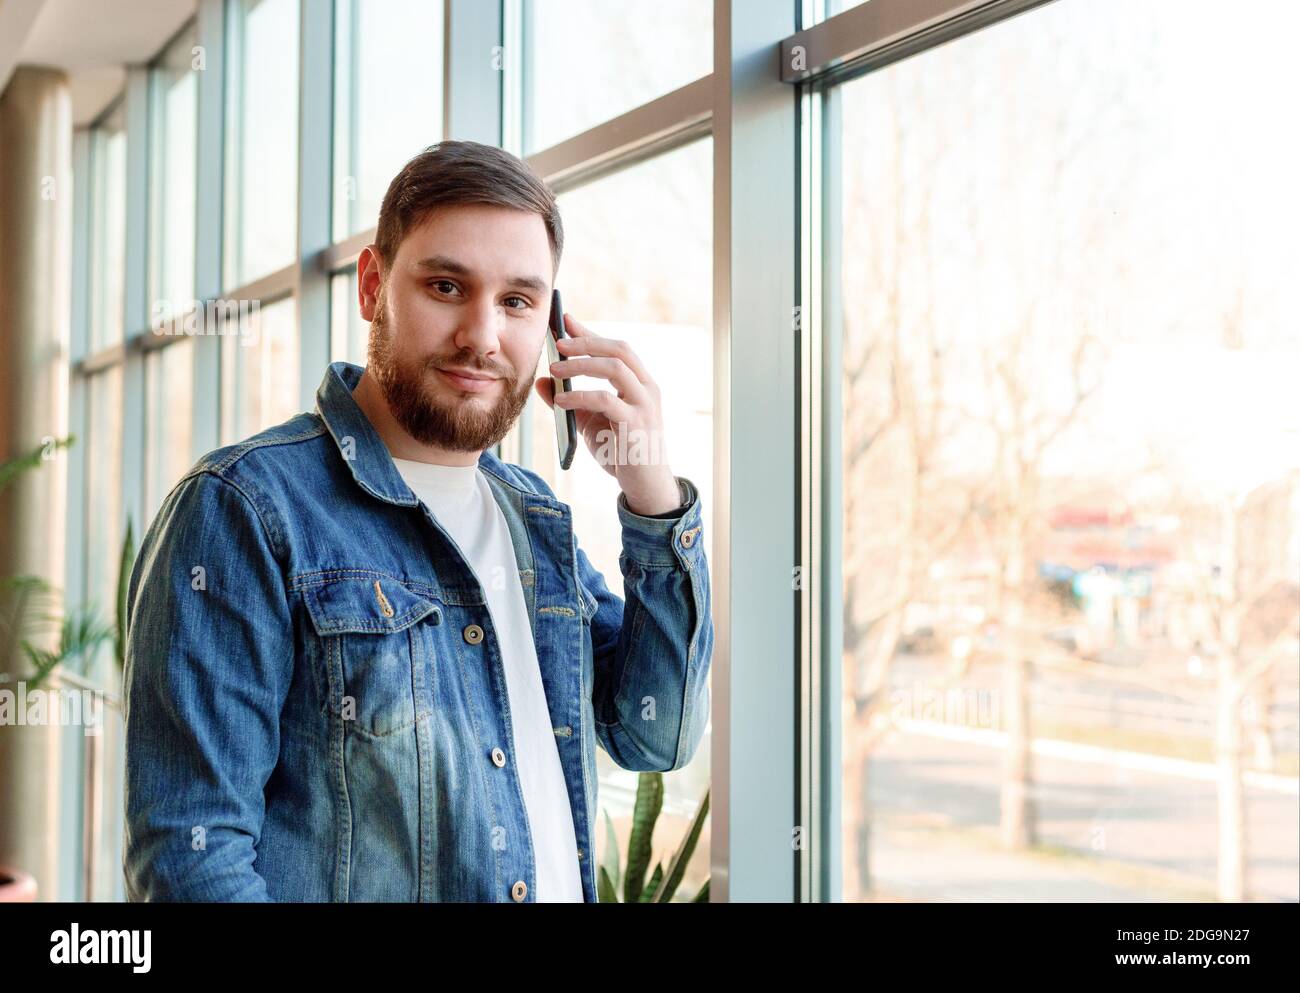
[16, 886]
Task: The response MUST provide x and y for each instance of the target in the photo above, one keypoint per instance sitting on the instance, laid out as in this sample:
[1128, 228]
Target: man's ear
[370, 276]
[545, 388]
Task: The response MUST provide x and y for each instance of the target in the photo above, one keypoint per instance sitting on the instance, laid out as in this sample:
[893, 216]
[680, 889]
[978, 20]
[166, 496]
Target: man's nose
[479, 329]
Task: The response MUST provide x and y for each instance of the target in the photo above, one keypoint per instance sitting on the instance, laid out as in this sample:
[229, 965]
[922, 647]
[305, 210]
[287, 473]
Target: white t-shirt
[462, 501]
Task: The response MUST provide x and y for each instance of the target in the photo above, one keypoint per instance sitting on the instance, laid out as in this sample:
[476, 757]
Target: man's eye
[522, 303]
[443, 285]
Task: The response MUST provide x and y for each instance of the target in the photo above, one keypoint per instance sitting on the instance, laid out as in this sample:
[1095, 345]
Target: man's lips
[469, 382]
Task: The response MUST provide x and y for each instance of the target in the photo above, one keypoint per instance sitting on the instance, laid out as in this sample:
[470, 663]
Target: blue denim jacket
[315, 701]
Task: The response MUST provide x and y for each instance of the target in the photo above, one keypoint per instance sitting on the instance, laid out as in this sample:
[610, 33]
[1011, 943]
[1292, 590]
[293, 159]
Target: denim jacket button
[498, 757]
[688, 537]
[473, 634]
[519, 891]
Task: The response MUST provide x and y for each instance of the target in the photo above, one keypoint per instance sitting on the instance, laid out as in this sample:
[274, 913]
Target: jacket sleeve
[652, 653]
[209, 658]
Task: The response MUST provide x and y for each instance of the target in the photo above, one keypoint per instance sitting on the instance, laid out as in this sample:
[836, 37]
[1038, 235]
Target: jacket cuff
[665, 539]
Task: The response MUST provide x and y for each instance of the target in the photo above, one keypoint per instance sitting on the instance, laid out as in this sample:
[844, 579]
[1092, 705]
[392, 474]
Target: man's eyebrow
[445, 263]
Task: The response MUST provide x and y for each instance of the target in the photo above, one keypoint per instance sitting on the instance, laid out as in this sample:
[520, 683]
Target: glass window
[259, 369]
[1070, 460]
[636, 49]
[652, 290]
[173, 138]
[349, 332]
[108, 231]
[387, 99]
[105, 517]
[829, 8]
[169, 418]
[262, 139]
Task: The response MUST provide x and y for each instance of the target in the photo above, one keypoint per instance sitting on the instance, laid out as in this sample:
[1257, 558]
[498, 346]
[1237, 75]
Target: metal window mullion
[506, 124]
[94, 220]
[75, 549]
[805, 322]
[757, 473]
[829, 768]
[137, 299]
[352, 135]
[209, 222]
[473, 107]
[75, 534]
[872, 35]
[344, 147]
[268, 289]
[342, 255]
[153, 435]
[233, 143]
[74, 594]
[521, 15]
[159, 179]
[82, 217]
[670, 121]
[820, 592]
[311, 286]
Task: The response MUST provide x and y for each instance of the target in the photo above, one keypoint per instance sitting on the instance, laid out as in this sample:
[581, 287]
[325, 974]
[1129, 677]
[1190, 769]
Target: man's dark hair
[452, 172]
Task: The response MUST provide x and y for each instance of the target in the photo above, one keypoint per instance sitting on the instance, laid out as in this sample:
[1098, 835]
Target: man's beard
[460, 424]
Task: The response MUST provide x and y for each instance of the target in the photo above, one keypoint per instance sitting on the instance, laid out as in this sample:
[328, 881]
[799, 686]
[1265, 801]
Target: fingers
[599, 401]
[611, 368]
[584, 342]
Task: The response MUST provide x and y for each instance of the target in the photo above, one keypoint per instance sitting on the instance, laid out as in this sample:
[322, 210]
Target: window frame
[773, 128]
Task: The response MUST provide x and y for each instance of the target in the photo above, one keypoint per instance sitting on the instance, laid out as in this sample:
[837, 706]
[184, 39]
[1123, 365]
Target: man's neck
[370, 398]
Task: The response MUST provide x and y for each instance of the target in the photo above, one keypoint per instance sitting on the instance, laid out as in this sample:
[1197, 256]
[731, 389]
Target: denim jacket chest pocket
[371, 659]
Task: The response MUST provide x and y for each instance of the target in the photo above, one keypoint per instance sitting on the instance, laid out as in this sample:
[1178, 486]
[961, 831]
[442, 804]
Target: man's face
[469, 291]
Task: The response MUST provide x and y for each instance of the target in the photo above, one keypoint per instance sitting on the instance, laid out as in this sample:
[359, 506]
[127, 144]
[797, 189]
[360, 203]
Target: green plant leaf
[682, 858]
[28, 599]
[34, 613]
[11, 469]
[656, 877]
[649, 801]
[703, 895]
[35, 601]
[80, 633]
[124, 565]
[611, 862]
[16, 584]
[42, 662]
[83, 631]
[605, 892]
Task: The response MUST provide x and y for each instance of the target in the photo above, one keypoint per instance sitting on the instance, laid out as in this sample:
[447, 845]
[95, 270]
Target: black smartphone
[566, 424]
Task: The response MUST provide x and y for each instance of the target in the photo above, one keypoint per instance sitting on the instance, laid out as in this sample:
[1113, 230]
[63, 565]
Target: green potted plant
[31, 609]
[631, 878]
